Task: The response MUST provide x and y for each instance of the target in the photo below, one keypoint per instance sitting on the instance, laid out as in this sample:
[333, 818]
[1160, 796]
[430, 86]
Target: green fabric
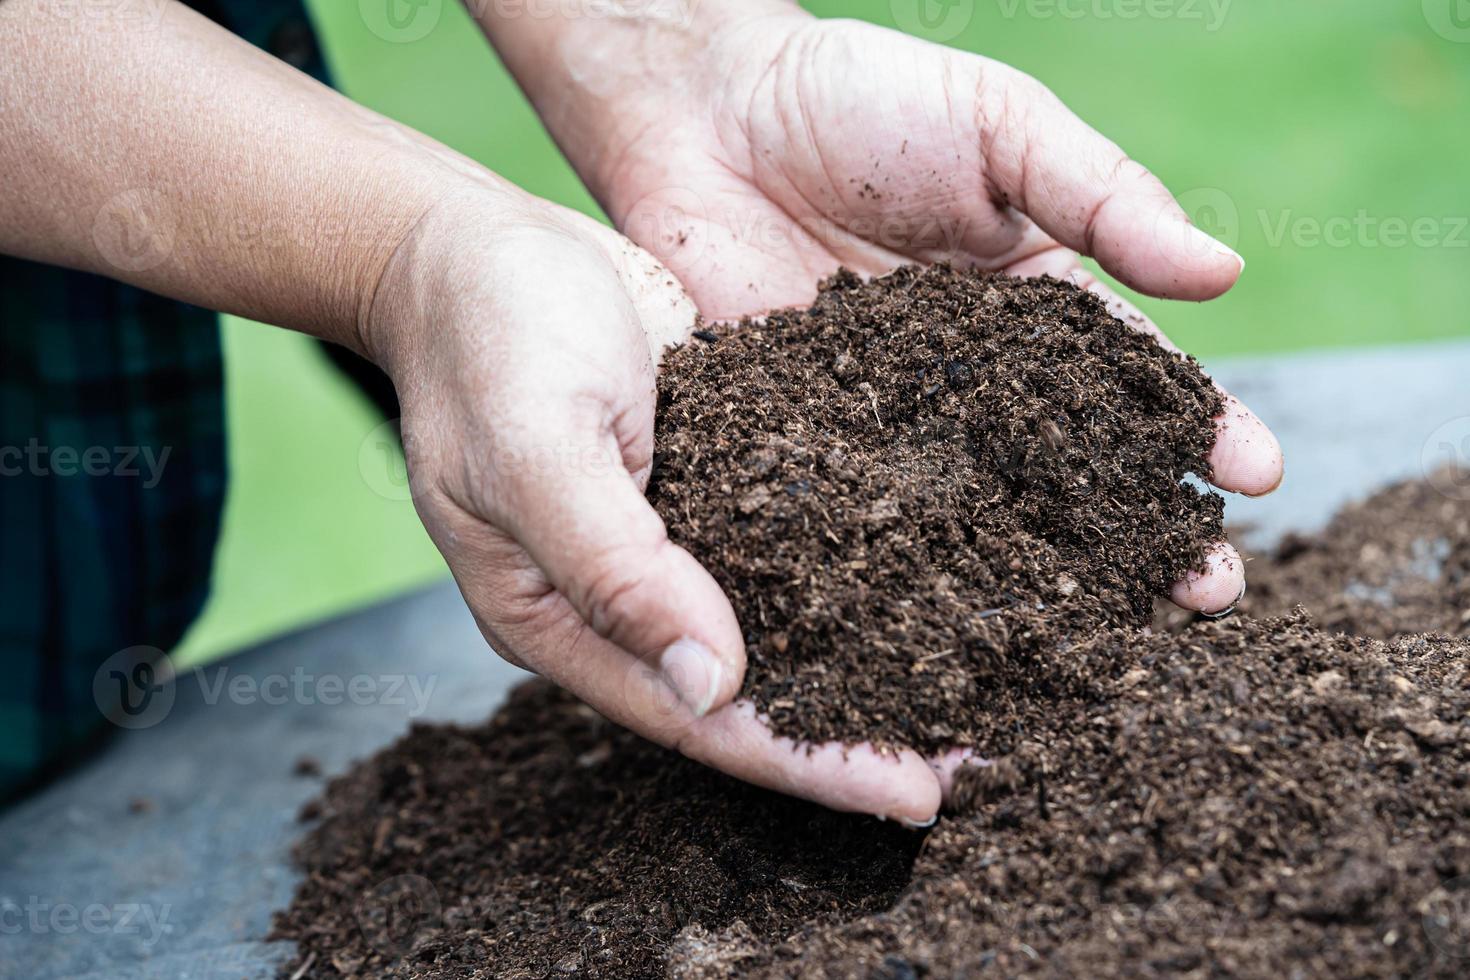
[112, 471]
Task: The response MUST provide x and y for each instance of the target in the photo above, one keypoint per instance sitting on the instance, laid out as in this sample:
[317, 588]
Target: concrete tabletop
[185, 887]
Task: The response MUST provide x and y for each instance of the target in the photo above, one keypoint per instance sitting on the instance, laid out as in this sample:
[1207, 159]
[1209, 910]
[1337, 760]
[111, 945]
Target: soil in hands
[942, 504]
[925, 489]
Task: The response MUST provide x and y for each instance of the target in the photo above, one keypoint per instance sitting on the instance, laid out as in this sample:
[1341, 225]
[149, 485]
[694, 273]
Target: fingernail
[693, 673]
[1207, 243]
[1228, 609]
[912, 824]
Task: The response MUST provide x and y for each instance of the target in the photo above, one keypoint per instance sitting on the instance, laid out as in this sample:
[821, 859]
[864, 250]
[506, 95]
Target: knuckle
[1014, 97]
[613, 592]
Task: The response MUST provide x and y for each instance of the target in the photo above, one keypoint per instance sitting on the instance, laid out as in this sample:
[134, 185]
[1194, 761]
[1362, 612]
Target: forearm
[174, 156]
[598, 72]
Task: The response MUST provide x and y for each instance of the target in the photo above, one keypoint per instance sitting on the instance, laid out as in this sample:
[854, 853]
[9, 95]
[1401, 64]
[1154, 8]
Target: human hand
[523, 341]
[787, 146]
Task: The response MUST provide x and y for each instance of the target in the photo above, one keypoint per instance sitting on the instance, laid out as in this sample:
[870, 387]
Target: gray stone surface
[199, 874]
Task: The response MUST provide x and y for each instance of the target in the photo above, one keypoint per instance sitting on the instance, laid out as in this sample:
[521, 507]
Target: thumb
[1086, 193]
[601, 546]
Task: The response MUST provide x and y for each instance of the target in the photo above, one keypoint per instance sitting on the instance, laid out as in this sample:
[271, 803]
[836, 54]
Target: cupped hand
[792, 145]
[523, 340]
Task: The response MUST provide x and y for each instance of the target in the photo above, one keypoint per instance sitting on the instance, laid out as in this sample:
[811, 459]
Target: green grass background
[1301, 111]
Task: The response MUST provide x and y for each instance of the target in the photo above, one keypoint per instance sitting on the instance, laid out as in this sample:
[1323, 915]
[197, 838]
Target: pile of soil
[1396, 563]
[920, 559]
[919, 491]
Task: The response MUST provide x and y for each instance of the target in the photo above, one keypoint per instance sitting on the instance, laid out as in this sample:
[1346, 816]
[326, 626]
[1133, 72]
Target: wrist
[601, 82]
[441, 293]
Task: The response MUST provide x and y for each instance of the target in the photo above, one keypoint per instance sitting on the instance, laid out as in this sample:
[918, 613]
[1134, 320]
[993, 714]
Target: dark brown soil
[920, 490]
[1396, 563]
[1250, 797]
[1246, 799]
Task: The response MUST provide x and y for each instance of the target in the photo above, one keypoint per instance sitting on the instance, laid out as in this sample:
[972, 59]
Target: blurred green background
[1312, 135]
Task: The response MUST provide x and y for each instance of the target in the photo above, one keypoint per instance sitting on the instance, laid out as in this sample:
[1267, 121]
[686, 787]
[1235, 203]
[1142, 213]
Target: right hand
[524, 339]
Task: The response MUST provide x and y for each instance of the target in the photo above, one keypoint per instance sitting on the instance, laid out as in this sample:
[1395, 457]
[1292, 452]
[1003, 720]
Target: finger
[897, 785]
[566, 490]
[1247, 456]
[1085, 192]
[602, 547]
[947, 765]
[629, 690]
[1215, 589]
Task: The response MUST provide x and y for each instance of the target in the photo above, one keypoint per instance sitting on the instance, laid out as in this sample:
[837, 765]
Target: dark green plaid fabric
[112, 470]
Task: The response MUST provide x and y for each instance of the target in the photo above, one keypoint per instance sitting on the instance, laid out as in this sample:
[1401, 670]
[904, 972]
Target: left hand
[795, 145]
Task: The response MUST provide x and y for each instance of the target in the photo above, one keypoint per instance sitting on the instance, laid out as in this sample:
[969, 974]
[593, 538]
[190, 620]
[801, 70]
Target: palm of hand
[838, 144]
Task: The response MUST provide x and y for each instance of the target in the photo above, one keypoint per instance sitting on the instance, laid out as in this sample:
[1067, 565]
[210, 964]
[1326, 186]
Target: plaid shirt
[112, 470]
